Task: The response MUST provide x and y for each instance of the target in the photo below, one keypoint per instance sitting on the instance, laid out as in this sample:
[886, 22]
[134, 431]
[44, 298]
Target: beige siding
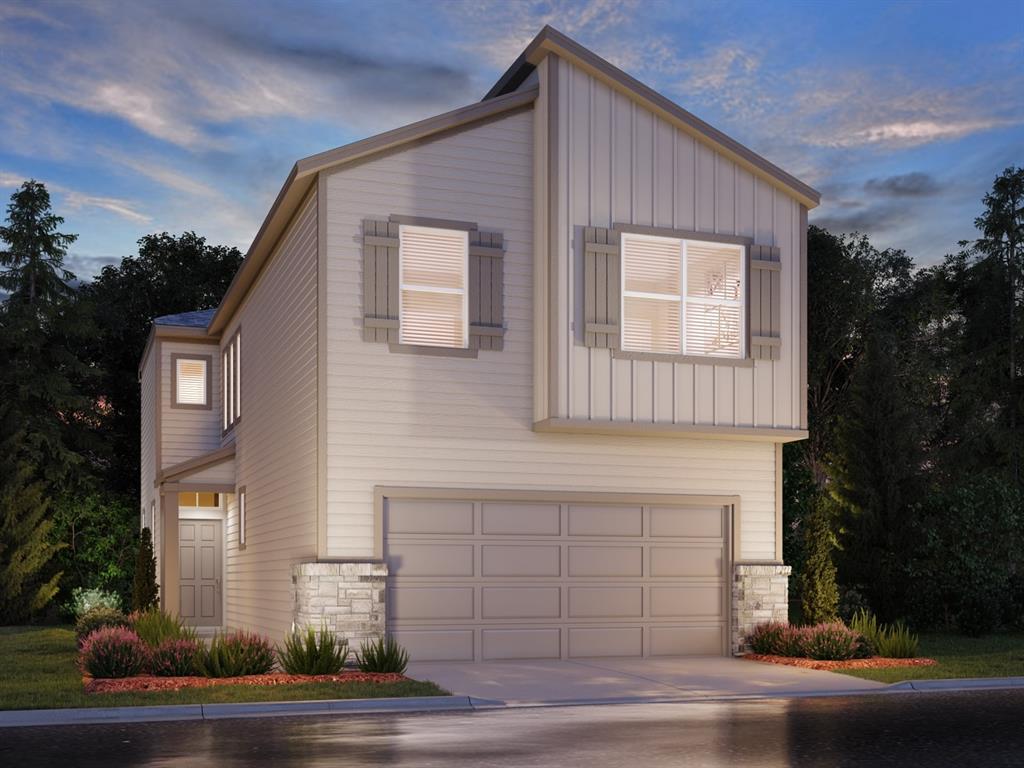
[147, 442]
[187, 432]
[276, 437]
[622, 164]
[400, 419]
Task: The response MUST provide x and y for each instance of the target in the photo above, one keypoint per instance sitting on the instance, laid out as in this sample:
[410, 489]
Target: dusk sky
[144, 117]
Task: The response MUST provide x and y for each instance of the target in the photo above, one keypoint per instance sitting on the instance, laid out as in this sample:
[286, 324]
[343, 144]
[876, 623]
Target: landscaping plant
[156, 627]
[175, 658]
[84, 600]
[145, 591]
[313, 653]
[99, 617]
[833, 641]
[897, 642]
[865, 624]
[237, 654]
[767, 638]
[113, 652]
[382, 655]
[819, 594]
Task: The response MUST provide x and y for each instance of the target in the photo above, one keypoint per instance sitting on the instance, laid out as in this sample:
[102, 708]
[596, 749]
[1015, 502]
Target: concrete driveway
[523, 683]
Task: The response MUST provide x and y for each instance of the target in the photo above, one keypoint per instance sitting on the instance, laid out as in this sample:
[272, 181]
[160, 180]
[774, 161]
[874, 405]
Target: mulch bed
[875, 662]
[150, 683]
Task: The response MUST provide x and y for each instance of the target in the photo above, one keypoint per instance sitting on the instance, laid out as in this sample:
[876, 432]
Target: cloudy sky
[152, 116]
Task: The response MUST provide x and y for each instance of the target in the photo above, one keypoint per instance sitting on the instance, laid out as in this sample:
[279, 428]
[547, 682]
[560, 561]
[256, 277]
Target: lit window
[682, 296]
[231, 379]
[202, 499]
[191, 382]
[241, 518]
[433, 304]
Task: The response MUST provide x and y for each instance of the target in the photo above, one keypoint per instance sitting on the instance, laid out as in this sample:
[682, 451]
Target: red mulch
[875, 662]
[150, 683]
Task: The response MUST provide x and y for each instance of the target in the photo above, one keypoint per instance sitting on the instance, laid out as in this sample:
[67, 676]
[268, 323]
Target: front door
[200, 542]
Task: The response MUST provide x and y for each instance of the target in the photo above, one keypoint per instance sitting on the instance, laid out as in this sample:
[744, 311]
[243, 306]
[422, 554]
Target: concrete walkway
[526, 683]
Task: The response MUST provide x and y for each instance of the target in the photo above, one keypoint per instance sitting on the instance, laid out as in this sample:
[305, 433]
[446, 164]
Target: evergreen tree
[819, 593]
[145, 591]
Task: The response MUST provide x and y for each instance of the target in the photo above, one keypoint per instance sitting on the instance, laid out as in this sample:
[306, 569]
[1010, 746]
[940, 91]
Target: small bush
[897, 642]
[175, 658]
[155, 627]
[237, 654]
[99, 617]
[830, 642]
[766, 638]
[793, 642]
[315, 653]
[864, 623]
[84, 600]
[113, 652]
[145, 591]
[382, 655]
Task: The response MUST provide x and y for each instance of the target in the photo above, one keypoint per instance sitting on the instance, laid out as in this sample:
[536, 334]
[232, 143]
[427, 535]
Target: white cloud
[76, 200]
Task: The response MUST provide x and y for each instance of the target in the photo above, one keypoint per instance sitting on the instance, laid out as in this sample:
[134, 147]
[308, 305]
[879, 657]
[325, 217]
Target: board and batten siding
[187, 432]
[621, 164]
[276, 437]
[428, 421]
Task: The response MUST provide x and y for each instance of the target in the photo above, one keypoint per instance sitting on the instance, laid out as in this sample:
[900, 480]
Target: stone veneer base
[759, 593]
[346, 598]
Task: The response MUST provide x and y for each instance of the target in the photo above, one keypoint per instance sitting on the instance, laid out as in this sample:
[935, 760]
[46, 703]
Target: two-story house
[509, 382]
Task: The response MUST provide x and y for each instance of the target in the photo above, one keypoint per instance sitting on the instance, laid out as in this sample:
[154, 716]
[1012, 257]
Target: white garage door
[508, 578]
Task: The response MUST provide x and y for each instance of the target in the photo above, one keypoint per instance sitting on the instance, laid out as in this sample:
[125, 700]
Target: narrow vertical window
[232, 380]
[241, 518]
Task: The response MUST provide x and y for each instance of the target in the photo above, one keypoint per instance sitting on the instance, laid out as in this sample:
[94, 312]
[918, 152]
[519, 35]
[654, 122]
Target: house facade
[510, 382]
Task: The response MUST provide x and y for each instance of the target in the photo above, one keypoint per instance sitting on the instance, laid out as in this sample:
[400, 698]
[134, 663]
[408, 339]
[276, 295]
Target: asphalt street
[984, 728]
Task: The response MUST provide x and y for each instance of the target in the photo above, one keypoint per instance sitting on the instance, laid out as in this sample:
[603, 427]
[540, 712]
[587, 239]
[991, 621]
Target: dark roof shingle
[197, 319]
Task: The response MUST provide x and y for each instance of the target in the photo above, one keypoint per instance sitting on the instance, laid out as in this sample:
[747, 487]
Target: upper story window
[433, 305]
[682, 296]
[190, 381]
[231, 374]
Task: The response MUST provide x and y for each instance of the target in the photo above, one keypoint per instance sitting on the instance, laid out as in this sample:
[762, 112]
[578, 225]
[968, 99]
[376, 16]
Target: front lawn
[1000, 655]
[38, 671]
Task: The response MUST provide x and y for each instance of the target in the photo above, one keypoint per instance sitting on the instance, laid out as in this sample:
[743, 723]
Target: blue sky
[145, 117]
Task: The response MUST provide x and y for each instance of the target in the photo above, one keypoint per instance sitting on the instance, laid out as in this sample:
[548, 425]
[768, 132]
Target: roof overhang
[550, 40]
[175, 333]
[304, 173]
[197, 469]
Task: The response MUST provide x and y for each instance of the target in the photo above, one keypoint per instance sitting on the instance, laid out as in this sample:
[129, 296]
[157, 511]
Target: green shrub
[175, 658]
[113, 652]
[767, 638]
[145, 591]
[155, 627]
[830, 642]
[313, 653]
[99, 617]
[866, 624]
[237, 654]
[897, 642]
[84, 600]
[382, 655]
[819, 594]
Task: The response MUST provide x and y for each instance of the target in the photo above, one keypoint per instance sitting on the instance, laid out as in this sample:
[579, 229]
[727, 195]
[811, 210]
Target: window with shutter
[651, 300]
[765, 302]
[433, 306]
[714, 299]
[190, 381]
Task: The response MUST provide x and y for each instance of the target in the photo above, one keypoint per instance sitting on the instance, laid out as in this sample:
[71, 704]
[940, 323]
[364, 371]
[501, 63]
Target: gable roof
[550, 40]
[200, 318]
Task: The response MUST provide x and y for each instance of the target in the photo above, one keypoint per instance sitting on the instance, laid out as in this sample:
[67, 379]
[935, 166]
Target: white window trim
[681, 296]
[231, 382]
[403, 286]
[241, 518]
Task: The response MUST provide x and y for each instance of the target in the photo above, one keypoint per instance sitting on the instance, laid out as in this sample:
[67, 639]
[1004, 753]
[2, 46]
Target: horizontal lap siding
[147, 435]
[622, 164]
[398, 419]
[275, 439]
[188, 432]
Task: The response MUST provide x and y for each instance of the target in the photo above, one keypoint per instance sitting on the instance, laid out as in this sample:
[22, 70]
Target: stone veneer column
[347, 598]
[759, 593]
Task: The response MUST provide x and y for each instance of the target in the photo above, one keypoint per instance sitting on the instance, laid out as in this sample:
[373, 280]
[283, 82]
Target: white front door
[200, 543]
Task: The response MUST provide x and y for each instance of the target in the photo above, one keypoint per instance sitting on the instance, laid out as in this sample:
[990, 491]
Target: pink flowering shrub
[175, 658]
[113, 652]
[831, 642]
[824, 642]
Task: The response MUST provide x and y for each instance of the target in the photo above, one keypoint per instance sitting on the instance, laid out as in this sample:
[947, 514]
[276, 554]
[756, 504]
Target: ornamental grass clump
[382, 655]
[99, 617]
[113, 652]
[175, 658]
[833, 641]
[313, 653]
[898, 642]
[155, 627]
[236, 655]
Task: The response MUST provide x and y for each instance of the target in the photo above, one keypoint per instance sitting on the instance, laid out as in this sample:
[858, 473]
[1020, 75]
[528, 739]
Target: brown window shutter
[486, 290]
[380, 281]
[602, 287]
[765, 305]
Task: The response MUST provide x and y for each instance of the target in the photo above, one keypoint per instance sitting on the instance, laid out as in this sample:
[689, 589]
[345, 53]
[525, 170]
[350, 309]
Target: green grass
[37, 671]
[999, 655]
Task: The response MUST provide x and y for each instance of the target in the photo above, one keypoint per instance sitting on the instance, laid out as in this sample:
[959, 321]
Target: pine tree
[819, 595]
[25, 546]
[145, 591]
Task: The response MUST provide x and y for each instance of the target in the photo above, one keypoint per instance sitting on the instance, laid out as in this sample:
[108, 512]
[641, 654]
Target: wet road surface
[984, 728]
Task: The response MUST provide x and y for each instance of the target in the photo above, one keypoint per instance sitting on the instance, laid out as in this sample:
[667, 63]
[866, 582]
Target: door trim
[210, 515]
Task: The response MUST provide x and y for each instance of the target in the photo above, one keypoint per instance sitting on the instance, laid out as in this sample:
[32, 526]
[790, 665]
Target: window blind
[433, 304]
[190, 382]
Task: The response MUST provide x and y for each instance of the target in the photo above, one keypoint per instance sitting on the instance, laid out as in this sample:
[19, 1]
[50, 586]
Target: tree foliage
[145, 591]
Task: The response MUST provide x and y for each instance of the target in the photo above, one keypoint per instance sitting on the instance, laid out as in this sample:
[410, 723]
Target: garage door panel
[686, 602]
[606, 561]
[430, 559]
[602, 520]
[521, 602]
[430, 603]
[605, 641]
[520, 560]
[499, 519]
[437, 644]
[606, 602]
[687, 641]
[541, 643]
[438, 517]
[692, 562]
[687, 522]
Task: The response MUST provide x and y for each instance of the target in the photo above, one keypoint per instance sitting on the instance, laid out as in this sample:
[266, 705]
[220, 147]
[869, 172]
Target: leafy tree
[145, 591]
[25, 546]
[33, 264]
